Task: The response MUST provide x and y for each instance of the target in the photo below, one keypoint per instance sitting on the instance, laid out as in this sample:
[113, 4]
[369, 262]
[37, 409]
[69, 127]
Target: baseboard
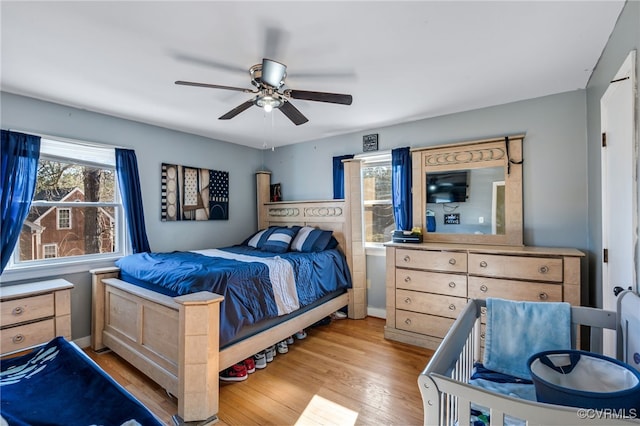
[377, 312]
[83, 342]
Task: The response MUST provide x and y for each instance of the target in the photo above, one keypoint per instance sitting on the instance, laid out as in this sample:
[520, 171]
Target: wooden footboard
[175, 341]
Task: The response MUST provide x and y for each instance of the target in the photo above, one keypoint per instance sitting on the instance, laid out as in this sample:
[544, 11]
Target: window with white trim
[64, 218]
[49, 251]
[378, 218]
[76, 214]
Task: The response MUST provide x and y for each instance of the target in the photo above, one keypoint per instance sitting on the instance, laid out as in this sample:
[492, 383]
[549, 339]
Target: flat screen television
[447, 187]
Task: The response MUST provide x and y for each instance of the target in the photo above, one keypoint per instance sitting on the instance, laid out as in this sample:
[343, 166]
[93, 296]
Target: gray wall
[153, 146]
[624, 38]
[555, 187]
[554, 170]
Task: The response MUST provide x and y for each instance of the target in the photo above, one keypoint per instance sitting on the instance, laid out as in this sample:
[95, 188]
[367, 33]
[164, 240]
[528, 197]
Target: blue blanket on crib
[60, 385]
[518, 330]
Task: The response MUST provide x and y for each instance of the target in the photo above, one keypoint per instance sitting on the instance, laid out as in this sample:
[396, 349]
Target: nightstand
[34, 313]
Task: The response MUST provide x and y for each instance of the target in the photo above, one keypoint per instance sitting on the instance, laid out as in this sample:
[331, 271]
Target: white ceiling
[401, 61]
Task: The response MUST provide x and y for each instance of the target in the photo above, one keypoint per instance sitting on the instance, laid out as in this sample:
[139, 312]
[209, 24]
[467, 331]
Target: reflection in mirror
[467, 201]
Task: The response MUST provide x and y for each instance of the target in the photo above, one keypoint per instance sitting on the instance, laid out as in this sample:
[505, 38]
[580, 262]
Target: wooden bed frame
[175, 341]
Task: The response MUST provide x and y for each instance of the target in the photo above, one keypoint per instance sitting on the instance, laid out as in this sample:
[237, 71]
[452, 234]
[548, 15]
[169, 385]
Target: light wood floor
[345, 373]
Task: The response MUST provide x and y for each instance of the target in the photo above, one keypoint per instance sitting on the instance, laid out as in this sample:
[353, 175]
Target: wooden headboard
[343, 217]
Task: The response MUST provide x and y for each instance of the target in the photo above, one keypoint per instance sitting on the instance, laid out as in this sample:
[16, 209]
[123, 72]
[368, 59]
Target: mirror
[466, 201]
[469, 192]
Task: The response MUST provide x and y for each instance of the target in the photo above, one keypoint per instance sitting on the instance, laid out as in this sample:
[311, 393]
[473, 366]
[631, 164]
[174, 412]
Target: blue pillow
[311, 239]
[333, 243]
[258, 239]
[280, 239]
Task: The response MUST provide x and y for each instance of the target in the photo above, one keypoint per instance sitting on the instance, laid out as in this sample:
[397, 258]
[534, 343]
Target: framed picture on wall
[276, 194]
[190, 193]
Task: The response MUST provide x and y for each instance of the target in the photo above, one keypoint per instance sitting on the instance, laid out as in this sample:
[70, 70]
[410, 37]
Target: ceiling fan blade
[206, 62]
[237, 110]
[292, 113]
[213, 86]
[334, 98]
[275, 39]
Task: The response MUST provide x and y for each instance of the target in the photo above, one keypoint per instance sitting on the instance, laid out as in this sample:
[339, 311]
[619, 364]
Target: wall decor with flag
[190, 193]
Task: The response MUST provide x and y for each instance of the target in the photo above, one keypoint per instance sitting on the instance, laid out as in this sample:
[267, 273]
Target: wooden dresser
[32, 314]
[429, 284]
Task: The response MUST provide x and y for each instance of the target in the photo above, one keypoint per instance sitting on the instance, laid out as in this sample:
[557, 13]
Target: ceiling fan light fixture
[268, 103]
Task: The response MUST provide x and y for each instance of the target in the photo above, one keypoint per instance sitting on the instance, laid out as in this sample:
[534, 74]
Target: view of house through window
[76, 209]
[376, 189]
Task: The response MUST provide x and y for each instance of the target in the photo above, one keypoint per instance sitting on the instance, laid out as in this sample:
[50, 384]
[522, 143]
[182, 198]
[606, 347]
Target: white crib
[447, 396]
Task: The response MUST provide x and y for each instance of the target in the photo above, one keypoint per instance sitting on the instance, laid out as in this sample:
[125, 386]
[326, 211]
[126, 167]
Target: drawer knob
[543, 269]
[482, 336]
[407, 321]
[407, 300]
[18, 338]
[452, 261]
[484, 288]
[452, 285]
[483, 264]
[407, 279]
[543, 296]
[483, 311]
[407, 258]
[18, 310]
[452, 307]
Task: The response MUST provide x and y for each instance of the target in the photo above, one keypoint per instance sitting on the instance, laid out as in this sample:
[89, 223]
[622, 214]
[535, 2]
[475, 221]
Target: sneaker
[260, 360]
[235, 373]
[290, 340]
[338, 315]
[270, 353]
[301, 335]
[282, 347]
[250, 365]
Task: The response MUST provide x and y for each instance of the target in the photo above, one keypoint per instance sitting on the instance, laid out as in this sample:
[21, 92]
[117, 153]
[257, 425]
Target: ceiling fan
[268, 78]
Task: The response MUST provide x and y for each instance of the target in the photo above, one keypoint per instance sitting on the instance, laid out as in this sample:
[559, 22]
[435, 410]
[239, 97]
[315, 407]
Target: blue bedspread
[250, 292]
[59, 385]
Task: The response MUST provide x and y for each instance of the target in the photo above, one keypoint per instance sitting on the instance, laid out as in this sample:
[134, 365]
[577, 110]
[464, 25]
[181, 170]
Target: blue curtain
[19, 170]
[338, 176]
[401, 188]
[129, 181]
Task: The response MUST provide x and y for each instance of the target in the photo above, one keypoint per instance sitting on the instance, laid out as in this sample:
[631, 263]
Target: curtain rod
[70, 140]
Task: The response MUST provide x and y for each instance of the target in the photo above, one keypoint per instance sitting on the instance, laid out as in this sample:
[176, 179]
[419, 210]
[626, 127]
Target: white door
[619, 189]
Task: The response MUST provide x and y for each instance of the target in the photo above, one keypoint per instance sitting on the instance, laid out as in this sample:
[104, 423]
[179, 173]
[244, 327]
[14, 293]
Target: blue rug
[57, 384]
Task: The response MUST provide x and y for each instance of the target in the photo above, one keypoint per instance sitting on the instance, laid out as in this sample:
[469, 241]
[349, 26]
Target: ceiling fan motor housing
[273, 73]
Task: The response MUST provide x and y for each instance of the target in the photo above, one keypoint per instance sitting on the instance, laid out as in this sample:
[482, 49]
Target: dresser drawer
[432, 282]
[435, 304]
[27, 335]
[481, 288]
[26, 309]
[429, 325]
[518, 267]
[432, 260]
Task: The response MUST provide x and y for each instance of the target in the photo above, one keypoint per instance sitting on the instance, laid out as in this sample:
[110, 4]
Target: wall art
[190, 193]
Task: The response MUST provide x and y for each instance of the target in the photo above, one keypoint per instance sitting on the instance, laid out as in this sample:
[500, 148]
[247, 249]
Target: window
[76, 213]
[64, 218]
[378, 207]
[50, 251]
